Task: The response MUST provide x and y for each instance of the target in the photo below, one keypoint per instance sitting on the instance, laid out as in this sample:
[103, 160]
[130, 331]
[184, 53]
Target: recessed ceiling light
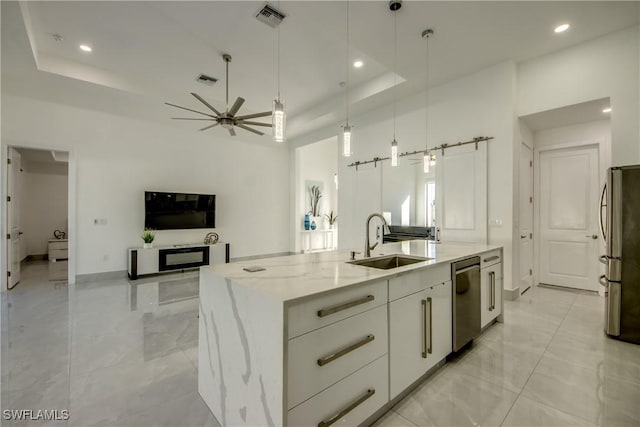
[607, 110]
[85, 48]
[561, 28]
[358, 64]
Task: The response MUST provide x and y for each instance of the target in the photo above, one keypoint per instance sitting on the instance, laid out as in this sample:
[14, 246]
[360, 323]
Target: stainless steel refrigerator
[621, 231]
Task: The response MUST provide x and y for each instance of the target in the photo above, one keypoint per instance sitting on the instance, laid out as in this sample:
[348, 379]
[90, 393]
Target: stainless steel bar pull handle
[491, 258]
[493, 290]
[331, 357]
[337, 417]
[430, 347]
[340, 307]
[424, 328]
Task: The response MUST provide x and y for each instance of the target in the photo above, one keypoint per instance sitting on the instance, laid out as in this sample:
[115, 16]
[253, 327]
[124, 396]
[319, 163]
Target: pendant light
[346, 129]
[279, 115]
[428, 159]
[394, 6]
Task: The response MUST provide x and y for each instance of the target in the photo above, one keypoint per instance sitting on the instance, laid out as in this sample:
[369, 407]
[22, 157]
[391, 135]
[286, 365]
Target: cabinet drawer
[341, 348]
[490, 258]
[407, 284]
[324, 310]
[55, 254]
[363, 392]
[58, 245]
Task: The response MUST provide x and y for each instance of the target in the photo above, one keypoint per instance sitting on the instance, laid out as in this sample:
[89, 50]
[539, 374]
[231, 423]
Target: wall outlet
[100, 221]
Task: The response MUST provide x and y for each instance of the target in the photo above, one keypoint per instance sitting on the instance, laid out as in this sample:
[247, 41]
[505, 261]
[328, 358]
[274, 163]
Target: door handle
[423, 303]
[523, 236]
[603, 259]
[593, 236]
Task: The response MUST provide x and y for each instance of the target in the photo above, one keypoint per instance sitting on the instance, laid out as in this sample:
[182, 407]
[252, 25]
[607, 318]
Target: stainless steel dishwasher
[466, 301]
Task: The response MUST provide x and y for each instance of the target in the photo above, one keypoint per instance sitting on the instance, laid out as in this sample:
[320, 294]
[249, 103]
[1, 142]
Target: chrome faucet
[367, 248]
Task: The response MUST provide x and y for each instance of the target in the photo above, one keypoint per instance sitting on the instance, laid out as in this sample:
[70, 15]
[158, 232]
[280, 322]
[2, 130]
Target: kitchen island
[315, 340]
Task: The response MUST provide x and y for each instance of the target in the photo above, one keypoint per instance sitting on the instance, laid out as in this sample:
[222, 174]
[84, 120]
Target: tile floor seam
[538, 363]
[404, 418]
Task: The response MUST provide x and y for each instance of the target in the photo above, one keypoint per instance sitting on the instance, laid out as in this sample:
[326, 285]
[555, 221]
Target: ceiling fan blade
[210, 126]
[199, 98]
[249, 129]
[236, 106]
[189, 118]
[254, 123]
[254, 116]
[189, 109]
[232, 132]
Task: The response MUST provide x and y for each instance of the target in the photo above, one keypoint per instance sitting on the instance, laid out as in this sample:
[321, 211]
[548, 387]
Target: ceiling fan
[228, 118]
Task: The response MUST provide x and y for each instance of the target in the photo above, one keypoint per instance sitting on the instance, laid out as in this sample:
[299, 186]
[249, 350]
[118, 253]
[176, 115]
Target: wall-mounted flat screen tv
[174, 211]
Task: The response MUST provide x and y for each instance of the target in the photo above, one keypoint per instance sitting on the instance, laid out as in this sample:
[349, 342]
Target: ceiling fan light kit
[227, 119]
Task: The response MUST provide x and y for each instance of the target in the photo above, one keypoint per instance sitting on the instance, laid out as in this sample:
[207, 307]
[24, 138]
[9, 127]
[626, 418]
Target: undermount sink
[388, 262]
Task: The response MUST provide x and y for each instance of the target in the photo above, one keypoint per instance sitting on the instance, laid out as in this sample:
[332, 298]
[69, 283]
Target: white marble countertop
[288, 278]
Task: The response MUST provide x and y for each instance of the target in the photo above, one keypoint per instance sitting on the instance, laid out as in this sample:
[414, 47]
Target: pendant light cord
[426, 96]
[395, 72]
[347, 70]
[278, 56]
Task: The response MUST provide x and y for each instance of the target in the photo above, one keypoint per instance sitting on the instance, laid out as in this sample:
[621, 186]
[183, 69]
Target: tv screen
[173, 211]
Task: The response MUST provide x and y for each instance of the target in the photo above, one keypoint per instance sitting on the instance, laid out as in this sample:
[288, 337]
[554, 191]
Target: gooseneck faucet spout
[385, 228]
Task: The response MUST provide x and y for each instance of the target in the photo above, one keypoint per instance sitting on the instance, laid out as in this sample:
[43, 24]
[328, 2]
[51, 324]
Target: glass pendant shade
[426, 161]
[394, 153]
[346, 141]
[279, 120]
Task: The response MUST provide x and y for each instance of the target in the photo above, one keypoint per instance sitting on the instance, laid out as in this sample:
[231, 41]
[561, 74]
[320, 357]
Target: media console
[161, 259]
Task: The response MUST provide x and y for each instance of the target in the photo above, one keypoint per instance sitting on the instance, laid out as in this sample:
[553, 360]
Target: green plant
[314, 198]
[331, 217]
[148, 235]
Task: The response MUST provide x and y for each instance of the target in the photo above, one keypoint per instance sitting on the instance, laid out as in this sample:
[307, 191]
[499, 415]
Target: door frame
[532, 171]
[604, 162]
[71, 209]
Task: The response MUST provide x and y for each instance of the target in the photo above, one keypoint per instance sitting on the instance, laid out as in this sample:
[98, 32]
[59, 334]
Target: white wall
[44, 205]
[316, 162]
[479, 104]
[605, 67]
[595, 131]
[116, 159]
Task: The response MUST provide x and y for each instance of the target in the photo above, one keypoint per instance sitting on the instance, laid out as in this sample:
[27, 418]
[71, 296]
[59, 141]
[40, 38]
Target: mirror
[409, 194]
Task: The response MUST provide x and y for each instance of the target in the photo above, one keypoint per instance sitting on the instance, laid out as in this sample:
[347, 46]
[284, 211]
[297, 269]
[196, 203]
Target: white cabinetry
[337, 365]
[490, 287]
[419, 332]
[58, 250]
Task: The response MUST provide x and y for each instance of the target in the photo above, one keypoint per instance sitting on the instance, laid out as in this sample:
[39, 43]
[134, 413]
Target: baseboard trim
[96, 277]
[248, 258]
[512, 294]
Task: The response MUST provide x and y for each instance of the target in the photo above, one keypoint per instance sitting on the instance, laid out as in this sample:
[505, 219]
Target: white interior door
[461, 193]
[13, 218]
[526, 218]
[568, 217]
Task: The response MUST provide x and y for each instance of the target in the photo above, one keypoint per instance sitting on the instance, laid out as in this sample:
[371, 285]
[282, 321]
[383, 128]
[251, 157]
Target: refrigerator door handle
[603, 206]
[603, 281]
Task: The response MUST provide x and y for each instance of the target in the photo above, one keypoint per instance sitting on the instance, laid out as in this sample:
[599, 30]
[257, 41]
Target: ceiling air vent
[270, 16]
[207, 80]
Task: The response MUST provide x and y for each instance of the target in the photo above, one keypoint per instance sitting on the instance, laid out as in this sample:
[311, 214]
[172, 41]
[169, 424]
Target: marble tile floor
[121, 354]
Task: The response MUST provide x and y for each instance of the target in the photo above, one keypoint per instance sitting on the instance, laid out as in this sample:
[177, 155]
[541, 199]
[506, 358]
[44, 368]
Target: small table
[327, 235]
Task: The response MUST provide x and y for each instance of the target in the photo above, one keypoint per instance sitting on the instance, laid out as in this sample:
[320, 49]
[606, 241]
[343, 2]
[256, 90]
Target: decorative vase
[313, 225]
[319, 220]
[147, 245]
[307, 222]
